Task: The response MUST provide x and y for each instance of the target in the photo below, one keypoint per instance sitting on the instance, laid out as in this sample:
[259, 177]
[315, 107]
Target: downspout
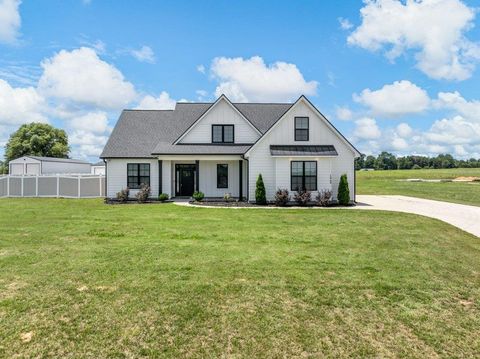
[354, 183]
[106, 182]
[248, 178]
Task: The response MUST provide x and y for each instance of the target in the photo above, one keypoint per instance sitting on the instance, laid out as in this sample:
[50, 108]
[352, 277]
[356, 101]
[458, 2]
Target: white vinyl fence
[69, 186]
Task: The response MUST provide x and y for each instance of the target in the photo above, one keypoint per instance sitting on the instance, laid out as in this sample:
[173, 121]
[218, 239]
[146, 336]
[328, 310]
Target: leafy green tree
[370, 162]
[37, 139]
[343, 191]
[360, 162]
[3, 168]
[386, 161]
[260, 196]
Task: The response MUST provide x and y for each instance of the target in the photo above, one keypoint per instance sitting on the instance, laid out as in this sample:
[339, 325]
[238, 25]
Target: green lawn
[82, 279]
[385, 182]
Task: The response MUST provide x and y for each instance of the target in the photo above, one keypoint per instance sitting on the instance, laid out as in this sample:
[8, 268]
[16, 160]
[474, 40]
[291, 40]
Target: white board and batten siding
[221, 113]
[276, 170]
[117, 175]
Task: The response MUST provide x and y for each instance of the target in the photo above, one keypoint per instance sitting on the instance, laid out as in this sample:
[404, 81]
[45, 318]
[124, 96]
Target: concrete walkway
[460, 215]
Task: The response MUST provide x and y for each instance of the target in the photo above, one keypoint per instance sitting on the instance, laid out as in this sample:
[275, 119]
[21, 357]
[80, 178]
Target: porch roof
[303, 150]
[165, 148]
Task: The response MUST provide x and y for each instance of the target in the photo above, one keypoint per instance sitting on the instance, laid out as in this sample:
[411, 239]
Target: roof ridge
[139, 109]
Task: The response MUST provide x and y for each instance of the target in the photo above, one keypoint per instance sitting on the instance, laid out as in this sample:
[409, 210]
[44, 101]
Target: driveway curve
[462, 216]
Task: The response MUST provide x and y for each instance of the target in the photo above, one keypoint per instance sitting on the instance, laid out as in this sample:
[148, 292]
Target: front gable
[320, 130]
[222, 112]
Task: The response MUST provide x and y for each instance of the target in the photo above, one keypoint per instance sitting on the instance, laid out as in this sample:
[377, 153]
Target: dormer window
[223, 133]
[301, 128]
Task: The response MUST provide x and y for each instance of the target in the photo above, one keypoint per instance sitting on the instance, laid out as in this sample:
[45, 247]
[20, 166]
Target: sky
[398, 76]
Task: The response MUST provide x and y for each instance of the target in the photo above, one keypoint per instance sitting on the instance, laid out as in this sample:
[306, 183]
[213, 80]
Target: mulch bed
[134, 201]
[247, 204]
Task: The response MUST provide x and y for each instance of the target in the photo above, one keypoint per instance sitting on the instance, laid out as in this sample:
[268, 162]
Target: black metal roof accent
[303, 150]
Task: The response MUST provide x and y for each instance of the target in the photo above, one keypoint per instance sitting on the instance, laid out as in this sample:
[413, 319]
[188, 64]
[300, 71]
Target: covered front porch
[214, 175]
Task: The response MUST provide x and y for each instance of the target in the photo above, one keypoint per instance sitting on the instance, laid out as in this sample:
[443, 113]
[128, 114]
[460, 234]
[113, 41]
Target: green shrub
[282, 197]
[302, 197]
[198, 196]
[343, 191]
[122, 196]
[227, 197]
[163, 197]
[143, 194]
[260, 196]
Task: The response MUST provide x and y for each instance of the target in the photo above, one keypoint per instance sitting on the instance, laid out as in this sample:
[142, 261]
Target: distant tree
[360, 162]
[386, 161]
[37, 139]
[404, 163]
[3, 168]
[369, 162]
[444, 161]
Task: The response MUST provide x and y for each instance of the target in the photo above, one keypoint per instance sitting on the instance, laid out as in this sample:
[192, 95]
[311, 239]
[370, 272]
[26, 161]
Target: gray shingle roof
[303, 150]
[141, 133]
[54, 159]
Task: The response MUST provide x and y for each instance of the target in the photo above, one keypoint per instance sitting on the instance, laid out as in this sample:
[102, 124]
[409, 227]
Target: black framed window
[137, 175]
[223, 133]
[301, 129]
[303, 175]
[222, 176]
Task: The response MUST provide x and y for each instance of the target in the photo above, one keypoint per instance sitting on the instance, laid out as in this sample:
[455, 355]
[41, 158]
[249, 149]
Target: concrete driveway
[460, 215]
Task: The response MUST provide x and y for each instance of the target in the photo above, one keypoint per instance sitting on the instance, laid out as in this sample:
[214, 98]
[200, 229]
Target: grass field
[386, 182]
[82, 279]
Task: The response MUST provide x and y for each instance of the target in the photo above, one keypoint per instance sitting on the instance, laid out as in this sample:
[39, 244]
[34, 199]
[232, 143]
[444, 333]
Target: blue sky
[391, 75]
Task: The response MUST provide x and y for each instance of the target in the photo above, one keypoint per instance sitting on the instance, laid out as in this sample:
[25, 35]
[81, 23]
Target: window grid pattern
[223, 133]
[301, 129]
[303, 175]
[137, 175]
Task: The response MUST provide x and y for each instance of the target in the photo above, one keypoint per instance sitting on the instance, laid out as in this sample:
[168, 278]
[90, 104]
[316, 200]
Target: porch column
[197, 176]
[160, 165]
[240, 180]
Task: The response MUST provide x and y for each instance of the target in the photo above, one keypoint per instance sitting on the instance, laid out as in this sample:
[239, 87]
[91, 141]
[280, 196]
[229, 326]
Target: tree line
[388, 161]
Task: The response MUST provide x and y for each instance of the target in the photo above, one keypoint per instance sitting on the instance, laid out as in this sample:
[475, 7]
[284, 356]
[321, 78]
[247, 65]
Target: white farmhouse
[223, 147]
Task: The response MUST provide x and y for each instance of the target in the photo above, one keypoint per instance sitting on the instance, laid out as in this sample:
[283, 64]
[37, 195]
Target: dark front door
[184, 179]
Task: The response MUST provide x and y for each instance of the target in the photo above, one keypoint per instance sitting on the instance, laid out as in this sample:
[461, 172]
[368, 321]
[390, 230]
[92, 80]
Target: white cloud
[393, 100]
[454, 131]
[86, 144]
[404, 130]
[399, 144]
[454, 101]
[96, 122]
[344, 113]
[81, 77]
[251, 79]
[433, 29]
[162, 102]
[20, 105]
[9, 21]
[367, 129]
[201, 69]
[144, 54]
[460, 150]
[345, 24]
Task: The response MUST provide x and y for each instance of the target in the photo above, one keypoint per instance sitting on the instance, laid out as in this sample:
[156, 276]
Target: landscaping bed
[220, 203]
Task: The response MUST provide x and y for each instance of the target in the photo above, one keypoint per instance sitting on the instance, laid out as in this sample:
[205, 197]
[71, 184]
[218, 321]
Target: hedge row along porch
[222, 147]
